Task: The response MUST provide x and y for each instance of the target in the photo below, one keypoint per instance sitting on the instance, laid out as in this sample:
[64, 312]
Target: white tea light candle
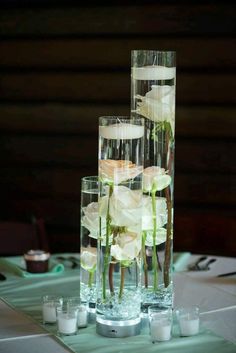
[49, 305]
[188, 319]
[67, 323]
[160, 323]
[189, 327]
[82, 317]
[160, 330]
[49, 313]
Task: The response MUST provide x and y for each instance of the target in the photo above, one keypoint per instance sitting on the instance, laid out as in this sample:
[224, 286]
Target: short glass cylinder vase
[89, 231]
[120, 210]
[153, 82]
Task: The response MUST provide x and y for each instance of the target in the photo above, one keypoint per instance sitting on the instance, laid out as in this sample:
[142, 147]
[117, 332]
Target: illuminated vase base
[118, 329]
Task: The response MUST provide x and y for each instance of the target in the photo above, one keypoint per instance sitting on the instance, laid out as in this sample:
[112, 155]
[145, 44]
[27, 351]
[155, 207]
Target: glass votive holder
[82, 316]
[71, 302]
[67, 320]
[188, 320]
[160, 322]
[49, 305]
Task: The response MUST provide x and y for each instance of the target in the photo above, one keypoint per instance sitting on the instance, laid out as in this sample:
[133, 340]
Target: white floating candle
[153, 72]
[122, 131]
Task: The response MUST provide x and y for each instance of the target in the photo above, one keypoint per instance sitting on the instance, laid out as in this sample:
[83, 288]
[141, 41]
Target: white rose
[147, 215]
[126, 207]
[90, 220]
[118, 171]
[155, 178]
[88, 259]
[158, 104]
[127, 246]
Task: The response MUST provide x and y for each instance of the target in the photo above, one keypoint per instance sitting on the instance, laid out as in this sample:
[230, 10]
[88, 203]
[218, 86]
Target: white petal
[160, 237]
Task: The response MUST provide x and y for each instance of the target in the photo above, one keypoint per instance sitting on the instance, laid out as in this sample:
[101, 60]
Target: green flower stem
[154, 250]
[107, 252]
[167, 260]
[90, 280]
[145, 266]
[122, 281]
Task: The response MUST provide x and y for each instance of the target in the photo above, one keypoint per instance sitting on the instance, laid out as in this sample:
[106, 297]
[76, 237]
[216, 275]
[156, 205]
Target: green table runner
[25, 294]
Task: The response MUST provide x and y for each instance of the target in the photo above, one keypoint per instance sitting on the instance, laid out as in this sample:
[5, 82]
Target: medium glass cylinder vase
[89, 231]
[153, 81]
[120, 210]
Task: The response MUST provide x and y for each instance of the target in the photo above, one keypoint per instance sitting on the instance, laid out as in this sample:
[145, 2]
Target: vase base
[118, 329]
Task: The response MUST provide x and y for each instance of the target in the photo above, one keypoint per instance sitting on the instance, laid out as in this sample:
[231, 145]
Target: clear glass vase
[89, 232]
[153, 81]
[120, 210]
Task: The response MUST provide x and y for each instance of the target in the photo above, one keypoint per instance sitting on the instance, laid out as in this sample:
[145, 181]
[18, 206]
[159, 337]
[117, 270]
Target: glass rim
[90, 178]
[154, 51]
[121, 118]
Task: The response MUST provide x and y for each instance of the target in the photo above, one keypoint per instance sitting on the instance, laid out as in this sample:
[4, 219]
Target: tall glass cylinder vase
[89, 231]
[153, 81]
[120, 210]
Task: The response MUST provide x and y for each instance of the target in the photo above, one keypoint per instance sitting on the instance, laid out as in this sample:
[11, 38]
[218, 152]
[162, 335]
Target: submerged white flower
[125, 207]
[90, 220]
[88, 259]
[127, 246]
[118, 171]
[158, 104]
[159, 239]
[147, 215]
[155, 178]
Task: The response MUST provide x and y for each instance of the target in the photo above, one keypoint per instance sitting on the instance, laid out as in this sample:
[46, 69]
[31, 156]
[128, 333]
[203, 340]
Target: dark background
[63, 65]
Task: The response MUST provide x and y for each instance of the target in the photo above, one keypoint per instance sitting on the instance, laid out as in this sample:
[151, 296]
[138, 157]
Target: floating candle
[153, 72]
[122, 131]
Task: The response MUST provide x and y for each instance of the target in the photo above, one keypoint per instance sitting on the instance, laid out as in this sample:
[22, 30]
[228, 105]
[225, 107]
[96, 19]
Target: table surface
[21, 326]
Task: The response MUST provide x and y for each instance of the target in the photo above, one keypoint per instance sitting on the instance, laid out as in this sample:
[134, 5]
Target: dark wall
[61, 67]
